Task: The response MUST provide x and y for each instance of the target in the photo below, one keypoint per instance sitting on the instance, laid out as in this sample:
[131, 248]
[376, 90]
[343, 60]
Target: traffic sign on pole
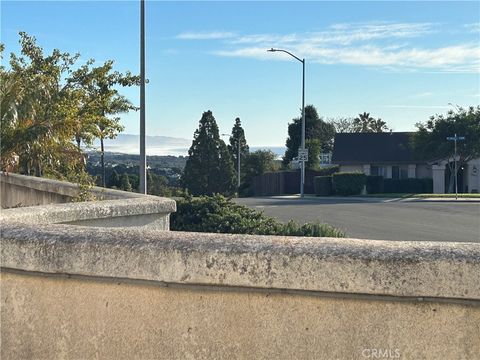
[302, 155]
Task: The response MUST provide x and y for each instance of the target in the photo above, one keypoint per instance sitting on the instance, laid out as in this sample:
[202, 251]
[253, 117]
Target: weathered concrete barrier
[76, 292]
[19, 190]
[116, 208]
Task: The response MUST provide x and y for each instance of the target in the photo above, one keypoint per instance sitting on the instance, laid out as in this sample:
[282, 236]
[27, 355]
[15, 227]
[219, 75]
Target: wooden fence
[283, 183]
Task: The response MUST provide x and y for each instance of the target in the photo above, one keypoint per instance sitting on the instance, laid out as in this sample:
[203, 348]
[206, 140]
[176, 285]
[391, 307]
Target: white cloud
[417, 106]
[423, 94]
[474, 27]
[368, 44]
[460, 58]
[213, 35]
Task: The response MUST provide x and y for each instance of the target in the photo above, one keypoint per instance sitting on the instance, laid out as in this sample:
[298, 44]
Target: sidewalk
[373, 199]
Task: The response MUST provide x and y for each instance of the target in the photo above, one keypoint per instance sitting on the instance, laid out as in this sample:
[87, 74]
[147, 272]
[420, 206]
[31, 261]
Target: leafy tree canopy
[259, 162]
[315, 128]
[37, 114]
[209, 168]
[314, 150]
[363, 123]
[125, 182]
[343, 124]
[100, 102]
[430, 141]
[47, 107]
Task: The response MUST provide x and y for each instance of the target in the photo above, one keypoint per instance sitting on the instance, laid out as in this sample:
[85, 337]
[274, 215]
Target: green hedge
[348, 183]
[217, 214]
[374, 184]
[323, 185]
[328, 170]
[414, 186]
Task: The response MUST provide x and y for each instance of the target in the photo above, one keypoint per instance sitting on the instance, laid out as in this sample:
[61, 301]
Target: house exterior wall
[418, 171]
[424, 171]
[473, 175]
[351, 168]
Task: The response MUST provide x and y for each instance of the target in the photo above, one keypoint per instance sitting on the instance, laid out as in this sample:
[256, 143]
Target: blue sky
[401, 61]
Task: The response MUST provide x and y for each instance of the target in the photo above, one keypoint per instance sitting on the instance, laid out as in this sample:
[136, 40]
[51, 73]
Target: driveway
[381, 219]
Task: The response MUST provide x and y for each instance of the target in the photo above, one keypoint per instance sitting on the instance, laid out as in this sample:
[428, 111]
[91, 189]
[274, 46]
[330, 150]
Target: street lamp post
[238, 164]
[302, 147]
[455, 139]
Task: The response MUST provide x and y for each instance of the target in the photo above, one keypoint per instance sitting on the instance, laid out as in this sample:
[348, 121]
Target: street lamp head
[272, 50]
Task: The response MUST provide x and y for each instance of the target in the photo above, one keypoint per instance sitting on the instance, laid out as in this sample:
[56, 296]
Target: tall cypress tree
[209, 168]
[238, 135]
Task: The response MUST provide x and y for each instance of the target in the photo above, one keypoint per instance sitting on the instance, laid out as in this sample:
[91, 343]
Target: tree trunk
[102, 149]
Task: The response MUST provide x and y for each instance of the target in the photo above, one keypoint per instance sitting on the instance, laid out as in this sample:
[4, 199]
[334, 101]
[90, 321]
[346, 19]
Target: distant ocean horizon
[163, 146]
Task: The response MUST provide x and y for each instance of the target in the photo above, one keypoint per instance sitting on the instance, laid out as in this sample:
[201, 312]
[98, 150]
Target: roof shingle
[370, 148]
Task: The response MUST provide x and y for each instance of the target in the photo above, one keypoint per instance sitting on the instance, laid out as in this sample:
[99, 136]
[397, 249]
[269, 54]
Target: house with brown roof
[391, 155]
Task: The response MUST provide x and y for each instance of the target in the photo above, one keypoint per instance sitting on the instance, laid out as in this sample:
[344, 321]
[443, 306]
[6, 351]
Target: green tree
[256, 163]
[315, 128]
[209, 168]
[101, 101]
[125, 184]
[114, 180]
[364, 123]
[314, 149]
[430, 141]
[343, 124]
[238, 136]
[157, 184]
[37, 114]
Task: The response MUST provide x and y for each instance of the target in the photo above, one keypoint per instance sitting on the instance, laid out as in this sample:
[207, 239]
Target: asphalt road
[383, 219]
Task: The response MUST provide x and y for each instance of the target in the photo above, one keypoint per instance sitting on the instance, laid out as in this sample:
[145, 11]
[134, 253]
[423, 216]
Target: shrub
[427, 185]
[329, 170]
[217, 214]
[348, 183]
[323, 185]
[415, 186]
[374, 184]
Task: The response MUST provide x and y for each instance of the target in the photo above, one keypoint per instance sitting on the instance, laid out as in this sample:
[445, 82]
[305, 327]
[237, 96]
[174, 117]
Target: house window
[399, 172]
[378, 170]
[325, 158]
[395, 172]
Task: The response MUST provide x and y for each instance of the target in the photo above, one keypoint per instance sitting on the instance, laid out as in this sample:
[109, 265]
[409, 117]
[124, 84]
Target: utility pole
[455, 139]
[238, 163]
[302, 152]
[143, 158]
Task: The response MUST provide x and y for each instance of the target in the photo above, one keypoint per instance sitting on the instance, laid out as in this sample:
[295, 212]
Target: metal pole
[302, 147]
[455, 162]
[302, 178]
[238, 163]
[143, 159]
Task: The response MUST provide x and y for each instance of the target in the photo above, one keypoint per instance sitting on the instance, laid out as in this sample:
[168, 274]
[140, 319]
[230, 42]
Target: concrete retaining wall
[54, 204]
[77, 292]
[52, 317]
[20, 191]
